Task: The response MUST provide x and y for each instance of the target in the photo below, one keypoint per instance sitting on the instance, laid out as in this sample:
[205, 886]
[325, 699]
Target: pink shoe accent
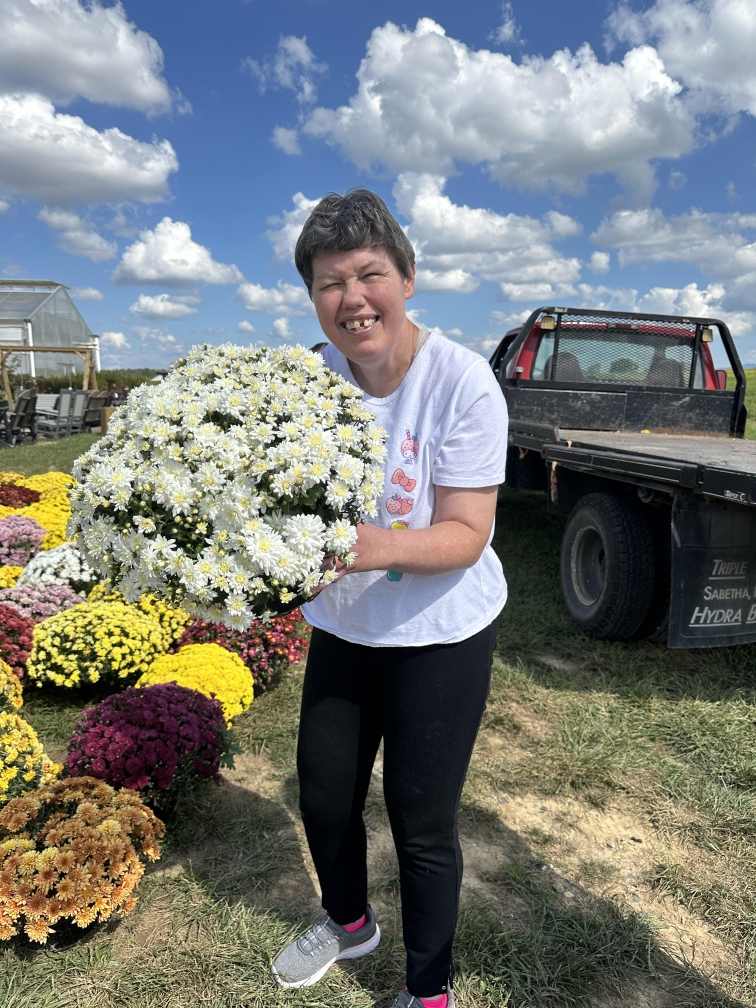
[441, 1001]
[361, 922]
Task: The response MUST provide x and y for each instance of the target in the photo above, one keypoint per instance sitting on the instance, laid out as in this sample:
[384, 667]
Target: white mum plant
[62, 565]
[224, 487]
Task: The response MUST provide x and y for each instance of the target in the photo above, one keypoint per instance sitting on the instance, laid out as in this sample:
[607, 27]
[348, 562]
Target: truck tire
[607, 567]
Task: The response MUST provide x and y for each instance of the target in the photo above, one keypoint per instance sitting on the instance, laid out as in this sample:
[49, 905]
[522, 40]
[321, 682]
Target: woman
[402, 640]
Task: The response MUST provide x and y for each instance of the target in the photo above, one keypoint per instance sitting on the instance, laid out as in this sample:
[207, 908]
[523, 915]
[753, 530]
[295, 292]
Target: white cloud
[245, 326]
[718, 244]
[507, 319]
[54, 157]
[65, 50]
[561, 225]
[169, 306]
[508, 32]
[285, 299]
[114, 339]
[4, 205]
[122, 222]
[292, 67]
[456, 241]
[282, 329]
[708, 45]
[157, 337]
[537, 293]
[537, 122]
[600, 262]
[457, 280]
[287, 140]
[486, 345]
[688, 300]
[87, 294]
[76, 236]
[284, 230]
[168, 255]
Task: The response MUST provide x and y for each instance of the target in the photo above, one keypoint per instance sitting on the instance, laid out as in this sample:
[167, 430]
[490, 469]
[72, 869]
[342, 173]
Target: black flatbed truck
[625, 423]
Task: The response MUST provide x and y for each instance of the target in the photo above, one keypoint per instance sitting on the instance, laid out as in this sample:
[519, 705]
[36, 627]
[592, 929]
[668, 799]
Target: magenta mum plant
[20, 539]
[159, 741]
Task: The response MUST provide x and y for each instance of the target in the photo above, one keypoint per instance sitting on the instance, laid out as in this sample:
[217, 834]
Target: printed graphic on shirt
[396, 504]
[395, 575]
[409, 448]
[400, 478]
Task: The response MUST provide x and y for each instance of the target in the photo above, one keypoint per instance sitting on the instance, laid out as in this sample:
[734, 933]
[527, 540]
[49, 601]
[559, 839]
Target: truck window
[545, 353]
[616, 358]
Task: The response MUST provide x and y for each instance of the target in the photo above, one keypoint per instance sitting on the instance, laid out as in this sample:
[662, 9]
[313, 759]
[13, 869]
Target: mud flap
[713, 582]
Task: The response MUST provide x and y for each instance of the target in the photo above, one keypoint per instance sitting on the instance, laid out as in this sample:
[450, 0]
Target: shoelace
[316, 937]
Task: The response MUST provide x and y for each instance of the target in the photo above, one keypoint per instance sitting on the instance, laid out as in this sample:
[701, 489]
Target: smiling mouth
[360, 324]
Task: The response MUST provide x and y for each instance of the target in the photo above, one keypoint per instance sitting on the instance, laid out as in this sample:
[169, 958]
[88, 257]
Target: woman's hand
[462, 522]
[371, 549]
[368, 549]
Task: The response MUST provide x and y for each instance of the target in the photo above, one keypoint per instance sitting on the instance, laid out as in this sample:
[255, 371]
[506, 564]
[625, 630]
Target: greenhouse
[40, 313]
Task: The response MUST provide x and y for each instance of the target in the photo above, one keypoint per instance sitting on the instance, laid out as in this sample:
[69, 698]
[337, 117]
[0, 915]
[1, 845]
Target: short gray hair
[359, 219]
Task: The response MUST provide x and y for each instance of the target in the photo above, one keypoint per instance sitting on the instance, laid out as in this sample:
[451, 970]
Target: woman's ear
[409, 285]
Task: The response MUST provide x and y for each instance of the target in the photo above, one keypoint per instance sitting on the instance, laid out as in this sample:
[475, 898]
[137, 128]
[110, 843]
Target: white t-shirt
[447, 426]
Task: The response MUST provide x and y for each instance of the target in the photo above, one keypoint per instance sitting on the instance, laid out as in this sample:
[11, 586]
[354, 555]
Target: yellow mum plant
[52, 510]
[9, 575]
[170, 619]
[11, 692]
[209, 669]
[72, 853]
[23, 763]
[93, 641]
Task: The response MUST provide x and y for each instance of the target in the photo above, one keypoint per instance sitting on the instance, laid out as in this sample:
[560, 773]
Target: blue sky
[160, 159]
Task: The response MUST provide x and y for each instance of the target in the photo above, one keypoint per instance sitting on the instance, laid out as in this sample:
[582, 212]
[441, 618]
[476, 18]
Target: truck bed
[733, 454]
[719, 467]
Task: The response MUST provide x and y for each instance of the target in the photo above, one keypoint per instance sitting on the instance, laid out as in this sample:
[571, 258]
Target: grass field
[751, 402]
[608, 824]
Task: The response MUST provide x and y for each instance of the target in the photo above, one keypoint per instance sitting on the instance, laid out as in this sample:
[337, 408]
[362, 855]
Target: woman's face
[359, 298]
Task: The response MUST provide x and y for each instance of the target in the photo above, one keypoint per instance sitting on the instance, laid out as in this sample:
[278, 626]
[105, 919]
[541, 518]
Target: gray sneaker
[308, 958]
[407, 1000]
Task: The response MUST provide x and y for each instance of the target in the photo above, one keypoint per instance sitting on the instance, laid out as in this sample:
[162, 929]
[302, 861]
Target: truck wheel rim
[588, 566]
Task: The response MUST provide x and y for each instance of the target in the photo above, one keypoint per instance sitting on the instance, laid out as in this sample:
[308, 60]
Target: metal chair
[47, 402]
[55, 422]
[77, 411]
[93, 413]
[21, 422]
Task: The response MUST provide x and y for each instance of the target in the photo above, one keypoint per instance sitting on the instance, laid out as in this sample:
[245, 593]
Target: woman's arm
[462, 521]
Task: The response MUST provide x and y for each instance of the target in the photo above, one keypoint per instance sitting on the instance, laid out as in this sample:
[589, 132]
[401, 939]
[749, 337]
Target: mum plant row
[74, 837]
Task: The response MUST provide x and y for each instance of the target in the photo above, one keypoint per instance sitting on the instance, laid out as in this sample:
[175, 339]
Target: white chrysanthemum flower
[341, 536]
[62, 565]
[337, 494]
[350, 470]
[211, 489]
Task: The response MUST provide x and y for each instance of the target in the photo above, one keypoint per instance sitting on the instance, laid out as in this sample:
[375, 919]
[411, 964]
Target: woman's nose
[354, 293]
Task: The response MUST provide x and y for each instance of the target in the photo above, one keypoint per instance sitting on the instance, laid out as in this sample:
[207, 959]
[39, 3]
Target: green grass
[750, 400]
[45, 456]
[608, 823]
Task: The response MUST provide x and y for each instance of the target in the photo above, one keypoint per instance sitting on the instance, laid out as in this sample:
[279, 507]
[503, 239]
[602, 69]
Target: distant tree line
[119, 378]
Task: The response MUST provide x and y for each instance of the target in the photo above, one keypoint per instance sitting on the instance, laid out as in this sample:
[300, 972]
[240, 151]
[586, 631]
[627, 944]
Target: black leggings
[426, 703]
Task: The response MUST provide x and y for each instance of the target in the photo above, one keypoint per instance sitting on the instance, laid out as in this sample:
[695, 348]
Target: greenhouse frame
[40, 313]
